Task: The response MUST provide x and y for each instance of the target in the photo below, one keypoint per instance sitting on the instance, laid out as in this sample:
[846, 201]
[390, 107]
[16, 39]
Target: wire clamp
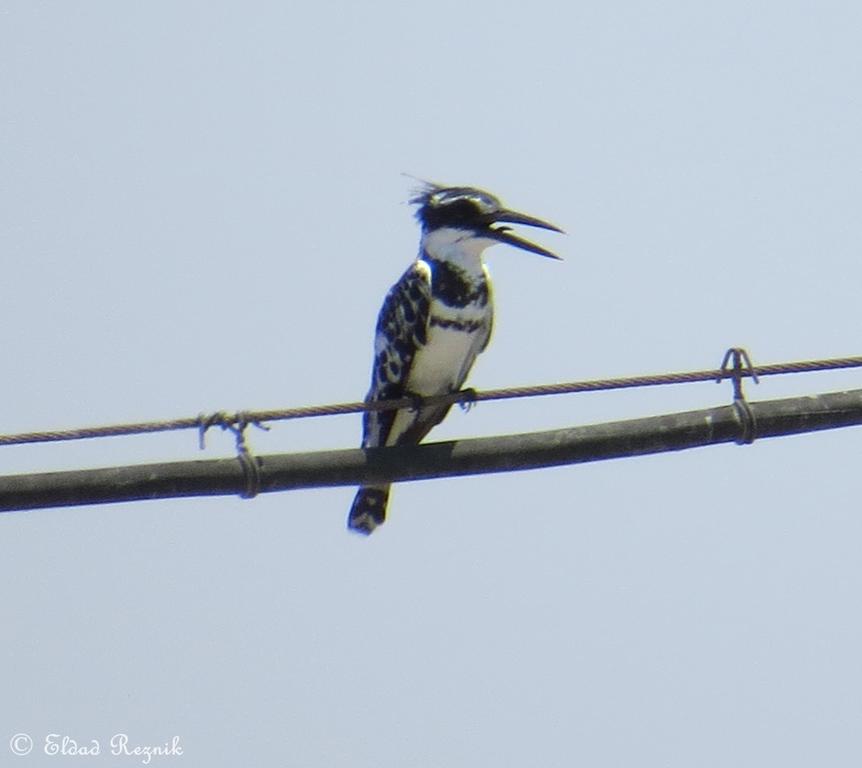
[736, 365]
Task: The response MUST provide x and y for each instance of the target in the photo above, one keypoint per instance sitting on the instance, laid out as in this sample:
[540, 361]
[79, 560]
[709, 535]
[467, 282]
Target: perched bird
[434, 321]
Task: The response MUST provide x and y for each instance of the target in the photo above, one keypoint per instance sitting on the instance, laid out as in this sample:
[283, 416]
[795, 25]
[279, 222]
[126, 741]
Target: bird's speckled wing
[402, 328]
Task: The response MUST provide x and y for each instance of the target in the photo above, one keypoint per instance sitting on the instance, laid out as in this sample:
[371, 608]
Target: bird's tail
[369, 508]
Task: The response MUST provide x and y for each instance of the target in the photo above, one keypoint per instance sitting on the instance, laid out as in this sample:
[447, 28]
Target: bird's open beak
[504, 234]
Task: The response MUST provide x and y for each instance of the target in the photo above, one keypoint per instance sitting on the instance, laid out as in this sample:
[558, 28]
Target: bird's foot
[416, 401]
[468, 400]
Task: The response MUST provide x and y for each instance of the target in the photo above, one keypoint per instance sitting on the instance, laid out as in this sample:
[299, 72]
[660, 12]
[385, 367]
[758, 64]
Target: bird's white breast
[442, 364]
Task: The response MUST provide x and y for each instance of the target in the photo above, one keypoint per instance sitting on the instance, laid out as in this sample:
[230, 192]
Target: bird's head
[475, 215]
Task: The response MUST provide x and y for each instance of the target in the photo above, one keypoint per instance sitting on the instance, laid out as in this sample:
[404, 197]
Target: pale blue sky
[202, 208]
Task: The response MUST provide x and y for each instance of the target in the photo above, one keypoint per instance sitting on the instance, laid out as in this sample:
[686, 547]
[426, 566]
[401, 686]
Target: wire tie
[237, 424]
[747, 421]
[735, 365]
[249, 463]
[207, 422]
[732, 368]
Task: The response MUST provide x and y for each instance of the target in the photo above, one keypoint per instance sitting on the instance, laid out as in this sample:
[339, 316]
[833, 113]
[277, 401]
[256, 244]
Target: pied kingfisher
[434, 322]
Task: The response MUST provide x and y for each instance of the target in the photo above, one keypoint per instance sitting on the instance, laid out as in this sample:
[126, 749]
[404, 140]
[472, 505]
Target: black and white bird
[434, 321]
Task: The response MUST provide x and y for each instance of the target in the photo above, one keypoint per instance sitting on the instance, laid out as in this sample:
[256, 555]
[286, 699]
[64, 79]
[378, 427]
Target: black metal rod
[575, 445]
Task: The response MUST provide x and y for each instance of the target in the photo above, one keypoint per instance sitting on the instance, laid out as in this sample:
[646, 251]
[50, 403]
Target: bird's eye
[468, 205]
[465, 209]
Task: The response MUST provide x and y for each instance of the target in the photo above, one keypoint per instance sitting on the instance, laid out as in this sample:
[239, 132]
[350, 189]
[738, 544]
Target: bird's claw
[468, 400]
[416, 401]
